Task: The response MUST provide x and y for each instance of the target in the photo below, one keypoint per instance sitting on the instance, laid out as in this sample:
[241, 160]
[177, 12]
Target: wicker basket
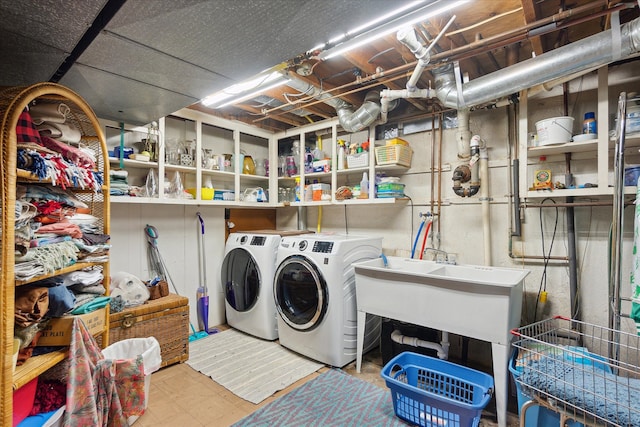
[166, 319]
[394, 154]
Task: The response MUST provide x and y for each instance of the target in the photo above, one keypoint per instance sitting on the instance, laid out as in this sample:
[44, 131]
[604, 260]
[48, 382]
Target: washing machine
[247, 281]
[315, 296]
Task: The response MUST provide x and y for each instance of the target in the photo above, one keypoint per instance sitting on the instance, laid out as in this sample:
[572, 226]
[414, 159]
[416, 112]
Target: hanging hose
[424, 241]
[415, 242]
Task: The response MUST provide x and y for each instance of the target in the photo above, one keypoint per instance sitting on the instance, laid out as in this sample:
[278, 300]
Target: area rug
[332, 399]
[249, 367]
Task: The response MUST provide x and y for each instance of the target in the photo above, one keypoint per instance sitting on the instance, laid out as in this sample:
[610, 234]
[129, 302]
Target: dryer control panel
[322, 247]
[258, 240]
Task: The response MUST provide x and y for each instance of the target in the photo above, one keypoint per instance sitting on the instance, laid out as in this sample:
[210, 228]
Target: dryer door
[300, 293]
[240, 279]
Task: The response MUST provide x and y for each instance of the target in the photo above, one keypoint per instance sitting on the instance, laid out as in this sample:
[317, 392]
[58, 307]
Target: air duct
[350, 120]
[595, 51]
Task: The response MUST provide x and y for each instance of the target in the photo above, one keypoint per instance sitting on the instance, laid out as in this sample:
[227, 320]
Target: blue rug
[332, 399]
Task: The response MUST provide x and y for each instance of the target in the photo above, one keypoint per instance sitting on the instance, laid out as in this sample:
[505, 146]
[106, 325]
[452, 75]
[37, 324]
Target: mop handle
[203, 259]
[201, 222]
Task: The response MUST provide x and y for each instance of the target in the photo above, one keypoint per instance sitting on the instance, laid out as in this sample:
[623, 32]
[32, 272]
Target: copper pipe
[433, 164]
[440, 135]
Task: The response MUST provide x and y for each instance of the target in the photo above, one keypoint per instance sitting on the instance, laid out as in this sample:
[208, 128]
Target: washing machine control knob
[302, 245]
[243, 240]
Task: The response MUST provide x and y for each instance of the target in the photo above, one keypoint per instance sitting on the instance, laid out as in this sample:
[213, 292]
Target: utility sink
[491, 276]
[471, 300]
[474, 301]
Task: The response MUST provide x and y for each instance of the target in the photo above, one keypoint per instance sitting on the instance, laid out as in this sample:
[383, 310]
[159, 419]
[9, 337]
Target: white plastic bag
[131, 288]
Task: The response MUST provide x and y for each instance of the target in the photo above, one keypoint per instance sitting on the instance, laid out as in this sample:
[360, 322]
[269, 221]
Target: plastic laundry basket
[430, 392]
[131, 348]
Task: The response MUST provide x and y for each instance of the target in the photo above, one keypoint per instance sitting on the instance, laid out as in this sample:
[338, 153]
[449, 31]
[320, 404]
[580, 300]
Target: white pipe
[388, 95]
[463, 134]
[484, 200]
[442, 348]
[407, 36]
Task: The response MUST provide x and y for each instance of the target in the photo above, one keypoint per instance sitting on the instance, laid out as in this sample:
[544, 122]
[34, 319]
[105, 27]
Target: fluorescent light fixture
[368, 25]
[250, 95]
[238, 92]
[422, 14]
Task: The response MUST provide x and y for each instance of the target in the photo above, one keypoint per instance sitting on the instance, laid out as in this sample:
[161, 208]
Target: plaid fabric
[26, 130]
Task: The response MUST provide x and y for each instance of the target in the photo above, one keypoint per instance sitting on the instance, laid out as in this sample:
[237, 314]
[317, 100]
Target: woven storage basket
[394, 155]
[166, 319]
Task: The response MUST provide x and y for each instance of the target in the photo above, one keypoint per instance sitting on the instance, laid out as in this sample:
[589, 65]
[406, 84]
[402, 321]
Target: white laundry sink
[477, 301]
[489, 276]
[474, 301]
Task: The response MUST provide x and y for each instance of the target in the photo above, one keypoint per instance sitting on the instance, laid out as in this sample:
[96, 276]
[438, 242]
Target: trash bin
[130, 348]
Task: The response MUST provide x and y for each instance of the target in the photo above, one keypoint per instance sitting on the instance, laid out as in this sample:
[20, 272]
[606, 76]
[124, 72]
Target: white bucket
[556, 130]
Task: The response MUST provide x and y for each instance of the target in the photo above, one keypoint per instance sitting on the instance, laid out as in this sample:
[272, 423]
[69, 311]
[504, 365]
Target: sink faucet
[441, 256]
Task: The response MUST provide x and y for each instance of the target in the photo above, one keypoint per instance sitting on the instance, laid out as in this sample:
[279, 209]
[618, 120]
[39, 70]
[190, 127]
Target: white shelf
[381, 201]
[133, 163]
[568, 147]
[578, 192]
[172, 201]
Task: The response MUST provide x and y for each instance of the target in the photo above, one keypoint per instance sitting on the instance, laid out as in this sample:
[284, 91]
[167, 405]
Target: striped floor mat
[332, 399]
[249, 367]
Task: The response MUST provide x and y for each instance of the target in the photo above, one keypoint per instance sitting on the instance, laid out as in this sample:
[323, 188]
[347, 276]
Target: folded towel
[53, 113]
[61, 131]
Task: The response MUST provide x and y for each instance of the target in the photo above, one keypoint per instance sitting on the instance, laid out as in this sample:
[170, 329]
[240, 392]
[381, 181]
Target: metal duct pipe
[350, 120]
[353, 121]
[594, 51]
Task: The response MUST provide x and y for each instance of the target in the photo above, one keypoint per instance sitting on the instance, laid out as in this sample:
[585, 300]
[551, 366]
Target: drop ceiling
[137, 60]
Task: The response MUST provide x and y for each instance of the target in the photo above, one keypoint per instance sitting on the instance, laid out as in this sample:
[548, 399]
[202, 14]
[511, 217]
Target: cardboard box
[58, 332]
[318, 190]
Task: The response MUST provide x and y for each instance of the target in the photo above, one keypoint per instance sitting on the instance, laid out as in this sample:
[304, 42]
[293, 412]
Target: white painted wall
[178, 229]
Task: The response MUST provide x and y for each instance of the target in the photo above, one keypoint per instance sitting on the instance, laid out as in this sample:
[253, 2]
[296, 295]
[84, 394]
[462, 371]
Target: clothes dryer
[247, 281]
[315, 295]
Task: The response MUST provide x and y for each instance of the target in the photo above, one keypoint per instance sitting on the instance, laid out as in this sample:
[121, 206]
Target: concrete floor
[181, 396]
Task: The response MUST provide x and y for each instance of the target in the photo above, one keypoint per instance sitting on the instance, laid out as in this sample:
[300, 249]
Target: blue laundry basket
[430, 392]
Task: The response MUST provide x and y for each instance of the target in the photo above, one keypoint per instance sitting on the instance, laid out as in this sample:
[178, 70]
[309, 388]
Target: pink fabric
[63, 227]
[101, 392]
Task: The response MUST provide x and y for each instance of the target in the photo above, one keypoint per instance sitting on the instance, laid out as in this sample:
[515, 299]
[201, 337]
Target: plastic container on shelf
[341, 157]
[205, 193]
[364, 186]
[358, 160]
[555, 130]
[589, 124]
